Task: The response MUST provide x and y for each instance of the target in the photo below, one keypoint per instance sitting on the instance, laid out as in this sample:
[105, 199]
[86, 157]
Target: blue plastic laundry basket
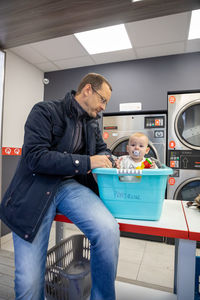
[133, 194]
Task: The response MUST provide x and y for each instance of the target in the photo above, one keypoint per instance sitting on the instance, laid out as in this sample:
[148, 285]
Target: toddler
[137, 148]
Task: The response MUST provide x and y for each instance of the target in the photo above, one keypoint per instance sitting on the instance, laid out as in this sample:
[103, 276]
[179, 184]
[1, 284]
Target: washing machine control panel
[154, 122]
[184, 159]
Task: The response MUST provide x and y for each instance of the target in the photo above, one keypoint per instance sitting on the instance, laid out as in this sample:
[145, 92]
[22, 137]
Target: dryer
[184, 145]
[117, 127]
[184, 185]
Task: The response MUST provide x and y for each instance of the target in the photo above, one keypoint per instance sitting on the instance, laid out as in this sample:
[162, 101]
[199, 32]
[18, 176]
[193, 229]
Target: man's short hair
[96, 81]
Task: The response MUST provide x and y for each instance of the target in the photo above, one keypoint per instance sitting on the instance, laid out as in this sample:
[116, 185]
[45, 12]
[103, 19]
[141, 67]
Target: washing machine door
[188, 190]
[187, 125]
[119, 148]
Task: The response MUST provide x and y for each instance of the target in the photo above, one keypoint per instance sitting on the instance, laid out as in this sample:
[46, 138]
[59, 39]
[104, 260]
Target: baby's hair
[138, 134]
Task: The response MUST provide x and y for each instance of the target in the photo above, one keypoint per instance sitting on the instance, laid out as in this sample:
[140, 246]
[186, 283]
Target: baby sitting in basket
[137, 148]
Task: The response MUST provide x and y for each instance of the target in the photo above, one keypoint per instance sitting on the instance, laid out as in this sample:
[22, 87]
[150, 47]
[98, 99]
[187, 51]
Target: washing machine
[184, 145]
[117, 127]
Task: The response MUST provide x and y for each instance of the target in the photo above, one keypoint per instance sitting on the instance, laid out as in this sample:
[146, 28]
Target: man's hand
[153, 165]
[117, 163]
[100, 161]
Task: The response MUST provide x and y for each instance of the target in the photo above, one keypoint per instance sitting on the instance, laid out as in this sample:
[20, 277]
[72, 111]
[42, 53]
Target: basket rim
[146, 172]
[64, 241]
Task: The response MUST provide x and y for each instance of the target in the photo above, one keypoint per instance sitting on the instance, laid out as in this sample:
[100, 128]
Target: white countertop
[172, 222]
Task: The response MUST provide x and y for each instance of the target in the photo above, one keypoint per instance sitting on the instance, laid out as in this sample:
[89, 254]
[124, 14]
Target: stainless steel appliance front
[117, 128]
[184, 121]
[184, 145]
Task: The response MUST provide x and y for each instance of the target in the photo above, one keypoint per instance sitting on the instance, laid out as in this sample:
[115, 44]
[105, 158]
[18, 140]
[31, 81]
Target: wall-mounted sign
[130, 106]
[11, 151]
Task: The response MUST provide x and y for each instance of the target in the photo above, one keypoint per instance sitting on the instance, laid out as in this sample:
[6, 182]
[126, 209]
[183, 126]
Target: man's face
[138, 147]
[97, 100]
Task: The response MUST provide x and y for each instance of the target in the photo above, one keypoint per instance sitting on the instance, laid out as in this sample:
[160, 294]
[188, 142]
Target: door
[187, 125]
[2, 60]
[188, 190]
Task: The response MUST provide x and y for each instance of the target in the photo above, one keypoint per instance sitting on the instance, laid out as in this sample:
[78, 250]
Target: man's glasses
[103, 100]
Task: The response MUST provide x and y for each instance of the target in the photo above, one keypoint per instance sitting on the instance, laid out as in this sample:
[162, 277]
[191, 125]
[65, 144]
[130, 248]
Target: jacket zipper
[85, 134]
[71, 145]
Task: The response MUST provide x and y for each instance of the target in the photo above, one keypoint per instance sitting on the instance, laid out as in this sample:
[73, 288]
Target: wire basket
[67, 274]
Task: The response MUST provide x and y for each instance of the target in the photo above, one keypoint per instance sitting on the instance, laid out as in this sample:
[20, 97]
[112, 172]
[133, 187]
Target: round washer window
[189, 191]
[188, 125]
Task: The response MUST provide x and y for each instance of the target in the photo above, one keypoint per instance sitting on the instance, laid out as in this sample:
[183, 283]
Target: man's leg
[30, 260]
[86, 210]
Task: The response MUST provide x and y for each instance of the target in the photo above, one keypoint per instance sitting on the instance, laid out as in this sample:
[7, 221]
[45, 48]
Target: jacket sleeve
[37, 147]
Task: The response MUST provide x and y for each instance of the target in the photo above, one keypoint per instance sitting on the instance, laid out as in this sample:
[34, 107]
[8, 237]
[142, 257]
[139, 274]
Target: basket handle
[129, 172]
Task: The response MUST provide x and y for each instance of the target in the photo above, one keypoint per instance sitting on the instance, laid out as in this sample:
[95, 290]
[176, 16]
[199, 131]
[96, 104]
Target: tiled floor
[141, 262]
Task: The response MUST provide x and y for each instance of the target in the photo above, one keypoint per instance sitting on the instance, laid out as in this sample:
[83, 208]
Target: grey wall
[144, 80]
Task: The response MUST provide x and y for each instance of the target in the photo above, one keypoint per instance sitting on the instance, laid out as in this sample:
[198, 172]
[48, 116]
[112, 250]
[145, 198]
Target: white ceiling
[150, 38]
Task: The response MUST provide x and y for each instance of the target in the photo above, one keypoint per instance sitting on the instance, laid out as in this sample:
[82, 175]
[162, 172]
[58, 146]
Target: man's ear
[87, 89]
[147, 150]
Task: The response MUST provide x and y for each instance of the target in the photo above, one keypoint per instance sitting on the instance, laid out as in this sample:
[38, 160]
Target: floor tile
[156, 275]
[6, 238]
[159, 255]
[6, 270]
[125, 291]
[5, 253]
[127, 269]
[6, 292]
[8, 261]
[8, 245]
[7, 280]
[131, 255]
[129, 243]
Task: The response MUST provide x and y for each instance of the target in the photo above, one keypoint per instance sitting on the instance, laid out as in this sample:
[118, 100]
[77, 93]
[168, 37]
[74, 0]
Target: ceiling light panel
[194, 32]
[105, 39]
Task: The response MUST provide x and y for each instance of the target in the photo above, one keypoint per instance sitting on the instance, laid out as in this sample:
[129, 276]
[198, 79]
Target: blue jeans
[85, 209]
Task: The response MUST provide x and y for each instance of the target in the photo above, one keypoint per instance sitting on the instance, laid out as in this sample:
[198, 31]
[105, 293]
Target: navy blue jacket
[46, 158]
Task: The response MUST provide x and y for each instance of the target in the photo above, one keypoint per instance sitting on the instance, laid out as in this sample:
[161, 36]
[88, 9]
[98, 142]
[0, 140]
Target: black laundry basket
[67, 274]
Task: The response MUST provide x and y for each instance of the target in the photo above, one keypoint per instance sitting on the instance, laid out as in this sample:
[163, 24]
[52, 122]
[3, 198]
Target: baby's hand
[153, 165]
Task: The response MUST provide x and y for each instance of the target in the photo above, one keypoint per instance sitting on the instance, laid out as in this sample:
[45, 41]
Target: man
[62, 144]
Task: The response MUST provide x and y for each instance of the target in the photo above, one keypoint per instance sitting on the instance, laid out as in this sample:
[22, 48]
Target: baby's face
[138, 147]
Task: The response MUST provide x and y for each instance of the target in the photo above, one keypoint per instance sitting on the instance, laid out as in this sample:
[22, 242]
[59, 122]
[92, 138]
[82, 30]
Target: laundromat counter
[131, 193]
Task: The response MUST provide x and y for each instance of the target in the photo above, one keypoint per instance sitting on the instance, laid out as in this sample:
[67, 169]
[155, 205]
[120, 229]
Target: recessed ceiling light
[136, 0]
[105, 39]
[194, 32]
